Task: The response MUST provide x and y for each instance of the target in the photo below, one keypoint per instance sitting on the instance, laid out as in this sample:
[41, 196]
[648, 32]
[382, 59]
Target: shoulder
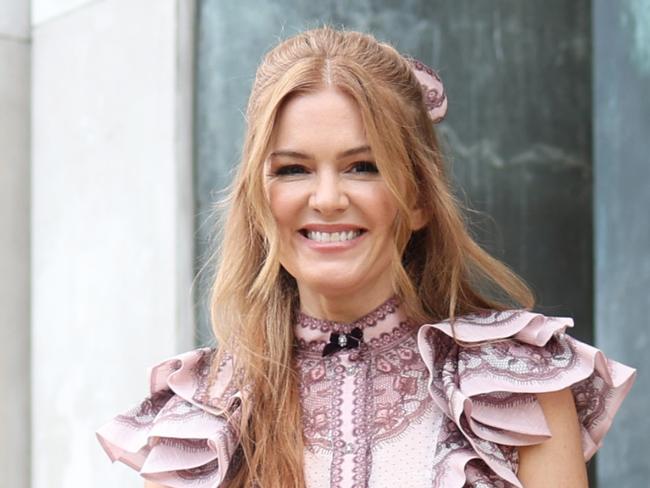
[491, 325]
[517, 346]
[186, 427]
[522, 348]
[489, 371]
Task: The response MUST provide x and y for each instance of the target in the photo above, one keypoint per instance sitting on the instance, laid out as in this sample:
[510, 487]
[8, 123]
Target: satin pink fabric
[184, 434]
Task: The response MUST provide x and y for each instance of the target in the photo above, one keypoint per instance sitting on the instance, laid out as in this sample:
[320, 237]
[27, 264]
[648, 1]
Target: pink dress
[407, 406]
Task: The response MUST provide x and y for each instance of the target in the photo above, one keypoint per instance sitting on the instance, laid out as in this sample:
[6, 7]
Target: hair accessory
[343, 341]
[435, 98]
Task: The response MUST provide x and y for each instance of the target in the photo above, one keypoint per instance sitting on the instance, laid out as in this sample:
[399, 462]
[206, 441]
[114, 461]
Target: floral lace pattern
[591, 397]
[369, 320]
[519, 362]
[433, 92]
[200, 472]
[145, 413]
[479, 476]
[446, 413]
[393, 381]
[386, 377]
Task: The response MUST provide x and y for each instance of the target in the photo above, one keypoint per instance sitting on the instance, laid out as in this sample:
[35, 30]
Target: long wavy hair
[438, 271]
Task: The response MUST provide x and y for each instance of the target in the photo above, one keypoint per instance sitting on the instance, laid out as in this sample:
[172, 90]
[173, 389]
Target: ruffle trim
[184, 434]
[487, 390]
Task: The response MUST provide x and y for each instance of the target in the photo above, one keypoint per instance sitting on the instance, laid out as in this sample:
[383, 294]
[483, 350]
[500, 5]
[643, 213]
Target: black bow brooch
[343, 341]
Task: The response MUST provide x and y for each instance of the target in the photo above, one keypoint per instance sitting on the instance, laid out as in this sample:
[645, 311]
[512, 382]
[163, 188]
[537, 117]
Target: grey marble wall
[15, 59]
[518, 131]
[622, 237]
[111, 214]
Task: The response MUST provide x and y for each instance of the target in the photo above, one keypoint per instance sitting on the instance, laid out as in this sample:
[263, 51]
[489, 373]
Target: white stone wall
[112, 220]
[14, 243]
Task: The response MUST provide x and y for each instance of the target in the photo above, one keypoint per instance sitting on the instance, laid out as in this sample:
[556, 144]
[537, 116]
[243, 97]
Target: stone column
[112, 220]
[621, 34]
[14, 242]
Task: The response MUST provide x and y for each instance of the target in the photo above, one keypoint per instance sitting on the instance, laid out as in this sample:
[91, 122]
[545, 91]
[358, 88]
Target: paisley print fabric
[412, 406]
[184, 433]
[367, 404]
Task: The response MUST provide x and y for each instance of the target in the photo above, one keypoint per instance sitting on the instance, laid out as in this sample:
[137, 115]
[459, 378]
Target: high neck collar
[380, 326]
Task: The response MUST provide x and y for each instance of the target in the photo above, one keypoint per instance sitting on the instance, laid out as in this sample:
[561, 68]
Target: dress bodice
[418, 405]
[368, 419]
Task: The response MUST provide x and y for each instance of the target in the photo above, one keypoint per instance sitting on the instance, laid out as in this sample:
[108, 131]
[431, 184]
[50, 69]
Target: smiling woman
[333, 211]
[365, 340]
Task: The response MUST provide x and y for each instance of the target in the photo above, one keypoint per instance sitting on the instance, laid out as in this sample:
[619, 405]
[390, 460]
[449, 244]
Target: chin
[339, 279]
[334, 287]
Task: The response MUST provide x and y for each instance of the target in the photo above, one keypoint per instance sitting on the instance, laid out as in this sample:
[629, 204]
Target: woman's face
[333, 210]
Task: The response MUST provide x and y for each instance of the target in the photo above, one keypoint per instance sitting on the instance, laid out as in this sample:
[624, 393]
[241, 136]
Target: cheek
[382, 208]
[282, 204]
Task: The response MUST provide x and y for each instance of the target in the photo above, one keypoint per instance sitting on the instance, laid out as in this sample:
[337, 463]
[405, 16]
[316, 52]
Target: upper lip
[331, 227]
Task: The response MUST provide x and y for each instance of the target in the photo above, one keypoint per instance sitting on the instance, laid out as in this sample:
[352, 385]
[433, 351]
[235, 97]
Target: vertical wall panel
[112, 223]
[15, 57]
[622, 199]
[519, 134]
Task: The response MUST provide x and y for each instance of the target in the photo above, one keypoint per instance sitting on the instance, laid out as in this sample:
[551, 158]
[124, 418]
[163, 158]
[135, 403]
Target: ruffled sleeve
[185, 433]
[487, 387]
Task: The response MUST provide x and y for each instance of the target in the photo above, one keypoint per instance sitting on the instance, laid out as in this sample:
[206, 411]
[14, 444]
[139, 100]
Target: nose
[328, 195]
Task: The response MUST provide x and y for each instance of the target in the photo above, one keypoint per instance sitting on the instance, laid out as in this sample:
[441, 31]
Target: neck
[342, 307]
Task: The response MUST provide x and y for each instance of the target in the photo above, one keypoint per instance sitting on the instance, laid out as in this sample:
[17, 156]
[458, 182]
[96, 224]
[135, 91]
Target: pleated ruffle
[487, 386]
[184, 434]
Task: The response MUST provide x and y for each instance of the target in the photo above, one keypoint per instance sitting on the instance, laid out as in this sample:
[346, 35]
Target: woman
[364, 338]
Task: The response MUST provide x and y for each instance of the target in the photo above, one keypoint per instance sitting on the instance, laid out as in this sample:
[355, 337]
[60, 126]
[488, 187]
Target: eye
[364, 167]
[290, 169]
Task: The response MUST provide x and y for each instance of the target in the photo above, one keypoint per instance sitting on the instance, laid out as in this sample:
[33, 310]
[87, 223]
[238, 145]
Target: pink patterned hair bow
[435, 98]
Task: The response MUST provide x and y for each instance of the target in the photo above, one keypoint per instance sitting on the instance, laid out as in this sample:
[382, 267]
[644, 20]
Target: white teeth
[333, 236]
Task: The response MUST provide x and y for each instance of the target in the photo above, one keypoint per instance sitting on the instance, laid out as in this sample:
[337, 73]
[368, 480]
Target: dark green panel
[518, 75]
[622, 242]
[519, 133]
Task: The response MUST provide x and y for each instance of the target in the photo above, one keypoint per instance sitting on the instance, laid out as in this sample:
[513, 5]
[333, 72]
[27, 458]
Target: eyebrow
[299, 155]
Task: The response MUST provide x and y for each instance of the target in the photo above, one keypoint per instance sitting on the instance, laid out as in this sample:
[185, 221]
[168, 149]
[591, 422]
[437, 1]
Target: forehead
[321, 121]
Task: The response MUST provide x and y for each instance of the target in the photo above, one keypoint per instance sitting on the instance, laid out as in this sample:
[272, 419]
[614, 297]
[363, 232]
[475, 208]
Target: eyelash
[369, 166]
[290, 169]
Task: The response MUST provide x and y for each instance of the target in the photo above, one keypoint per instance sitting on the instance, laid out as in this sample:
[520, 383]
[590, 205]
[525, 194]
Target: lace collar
[382, 326]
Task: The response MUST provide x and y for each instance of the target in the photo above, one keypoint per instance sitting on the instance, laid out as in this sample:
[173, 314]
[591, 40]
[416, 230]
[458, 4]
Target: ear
[418, 218]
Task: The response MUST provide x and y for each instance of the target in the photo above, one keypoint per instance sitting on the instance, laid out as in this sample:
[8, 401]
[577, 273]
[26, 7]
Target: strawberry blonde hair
[438, 271]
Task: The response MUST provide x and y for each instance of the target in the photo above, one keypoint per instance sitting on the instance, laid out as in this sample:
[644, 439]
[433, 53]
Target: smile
[332, 236]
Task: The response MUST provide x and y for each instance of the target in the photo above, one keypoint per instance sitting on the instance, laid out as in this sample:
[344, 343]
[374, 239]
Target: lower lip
[331, 246]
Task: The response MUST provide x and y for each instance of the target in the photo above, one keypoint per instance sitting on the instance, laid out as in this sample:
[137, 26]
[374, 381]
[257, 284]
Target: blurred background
[121, 120]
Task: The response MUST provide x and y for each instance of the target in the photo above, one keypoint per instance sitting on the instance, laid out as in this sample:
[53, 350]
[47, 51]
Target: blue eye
[290, 169]
[364, 167]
